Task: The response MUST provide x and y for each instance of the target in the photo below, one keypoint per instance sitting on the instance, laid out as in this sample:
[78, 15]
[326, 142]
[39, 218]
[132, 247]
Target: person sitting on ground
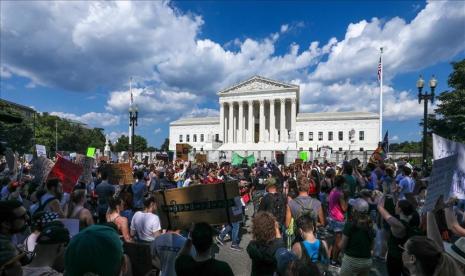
[203, 262]
[115, 206]
[311, 249]
[357, 240]
[51, 245]
[166, 248]
[145, 225]
[266, 241]
[97, 250]
[50, 202]
[76, 209]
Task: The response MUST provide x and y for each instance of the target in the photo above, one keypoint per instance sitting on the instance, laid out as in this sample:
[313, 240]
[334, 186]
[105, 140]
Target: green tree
[449, 118]
[122, 144]
[165, 145]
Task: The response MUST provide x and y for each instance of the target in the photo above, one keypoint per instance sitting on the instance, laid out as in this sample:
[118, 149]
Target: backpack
[304, 210]
[276, 205]
[43, 205]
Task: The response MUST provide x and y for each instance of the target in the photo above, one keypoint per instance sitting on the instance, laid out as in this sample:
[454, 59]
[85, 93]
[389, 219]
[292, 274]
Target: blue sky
[74, 59]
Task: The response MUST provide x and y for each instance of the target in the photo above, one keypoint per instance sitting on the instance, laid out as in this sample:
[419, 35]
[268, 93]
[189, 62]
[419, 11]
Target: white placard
[41, 151]
[441, 181]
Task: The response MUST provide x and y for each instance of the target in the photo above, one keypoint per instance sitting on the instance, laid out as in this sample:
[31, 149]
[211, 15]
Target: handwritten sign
[90, 152]
[87, 164]
[41, 167]
[41, 151]
[441, 181]
[120, 173]
[67, 172]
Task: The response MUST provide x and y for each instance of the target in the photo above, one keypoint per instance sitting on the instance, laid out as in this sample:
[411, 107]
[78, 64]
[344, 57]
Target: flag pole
[381, 96]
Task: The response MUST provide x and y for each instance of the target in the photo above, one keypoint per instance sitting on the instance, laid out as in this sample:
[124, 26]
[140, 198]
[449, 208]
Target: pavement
[240, 262]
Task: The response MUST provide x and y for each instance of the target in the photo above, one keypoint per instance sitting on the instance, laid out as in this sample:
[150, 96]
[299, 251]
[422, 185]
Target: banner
[303, 155]
[120, 173]
[67, 172]
[442, 148]
[41, 151]
[90, 152]
[41, 167]
[441, 182]
[87, 164]
[237, 159]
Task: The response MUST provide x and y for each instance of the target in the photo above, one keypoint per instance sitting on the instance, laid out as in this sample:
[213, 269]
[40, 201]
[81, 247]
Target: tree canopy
[122, 144]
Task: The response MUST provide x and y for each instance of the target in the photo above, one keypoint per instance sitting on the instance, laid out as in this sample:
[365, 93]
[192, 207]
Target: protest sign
[67, 172]
[325, 152]
[443, 147]
[87, 164]
[72, 225]
[41, 151]
[120, 173]
[41, 167]
[303, 155]
[441, 181]
[12, 161]
[90, 152]
[200, 158]
[214, 204]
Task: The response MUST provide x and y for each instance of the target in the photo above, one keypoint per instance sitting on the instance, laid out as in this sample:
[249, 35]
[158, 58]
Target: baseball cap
[97, 249]
[359, 205]
[53, 233]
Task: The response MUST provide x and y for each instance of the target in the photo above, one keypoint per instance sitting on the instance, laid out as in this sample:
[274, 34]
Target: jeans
[234, 229]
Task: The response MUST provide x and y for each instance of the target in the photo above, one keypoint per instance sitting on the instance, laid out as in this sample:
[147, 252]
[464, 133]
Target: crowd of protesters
[309, 218]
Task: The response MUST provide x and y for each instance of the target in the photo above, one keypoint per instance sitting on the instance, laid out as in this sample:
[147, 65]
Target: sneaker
[236, 247]
[218, 240]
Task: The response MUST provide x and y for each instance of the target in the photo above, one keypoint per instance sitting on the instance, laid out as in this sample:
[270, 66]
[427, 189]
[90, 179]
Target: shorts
[335, 226]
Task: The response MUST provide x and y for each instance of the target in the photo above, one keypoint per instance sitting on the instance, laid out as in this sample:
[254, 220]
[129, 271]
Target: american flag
[380, 69]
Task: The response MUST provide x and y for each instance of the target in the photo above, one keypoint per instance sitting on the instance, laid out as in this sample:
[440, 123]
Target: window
[310, 136]
[187, 138]
[361, 149]
[330, 136]
[340, 149]
[180, 138]
[217, 137]
[201, 137]
[361, 135]
[301, 136]
[341, 135]
[320, 136]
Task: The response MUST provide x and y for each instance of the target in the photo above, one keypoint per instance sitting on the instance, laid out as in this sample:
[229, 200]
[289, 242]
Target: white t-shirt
[145, 224]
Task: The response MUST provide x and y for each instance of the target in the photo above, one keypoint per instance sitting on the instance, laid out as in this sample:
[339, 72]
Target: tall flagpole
[381, 96]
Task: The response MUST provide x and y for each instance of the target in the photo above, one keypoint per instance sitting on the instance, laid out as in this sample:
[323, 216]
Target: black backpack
[274, 203]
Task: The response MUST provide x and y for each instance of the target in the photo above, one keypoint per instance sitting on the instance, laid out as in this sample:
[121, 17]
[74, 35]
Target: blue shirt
[138, 191]
[406, 186]
[312, 249]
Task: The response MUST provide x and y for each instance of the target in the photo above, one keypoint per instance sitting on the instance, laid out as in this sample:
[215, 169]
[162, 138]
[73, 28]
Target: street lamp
[133, 112]
[425, 97]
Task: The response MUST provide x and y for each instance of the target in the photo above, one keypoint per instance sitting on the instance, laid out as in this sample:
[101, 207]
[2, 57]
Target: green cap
[97, 249]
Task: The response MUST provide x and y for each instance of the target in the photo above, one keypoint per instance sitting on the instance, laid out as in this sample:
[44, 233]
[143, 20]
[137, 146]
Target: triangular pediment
[257, 83]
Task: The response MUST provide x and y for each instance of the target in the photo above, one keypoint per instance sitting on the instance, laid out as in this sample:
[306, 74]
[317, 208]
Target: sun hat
[456, 250]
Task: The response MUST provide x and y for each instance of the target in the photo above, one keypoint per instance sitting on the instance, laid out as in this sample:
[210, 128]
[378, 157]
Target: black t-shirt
[186, 265]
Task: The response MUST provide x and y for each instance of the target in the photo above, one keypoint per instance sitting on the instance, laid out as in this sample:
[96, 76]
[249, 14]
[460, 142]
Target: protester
[39, 220]
[406, 185]
[264, 244]
[50, 201]
[104, 191]
[337, 208]
[274, 202]
[202, 263]
[115, 205]
[138, 191]
[50, 245]
[145, 225]
[76, 209]
[97, 250]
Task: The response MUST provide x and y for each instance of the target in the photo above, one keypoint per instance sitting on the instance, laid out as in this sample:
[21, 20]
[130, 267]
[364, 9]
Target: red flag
[67, 172]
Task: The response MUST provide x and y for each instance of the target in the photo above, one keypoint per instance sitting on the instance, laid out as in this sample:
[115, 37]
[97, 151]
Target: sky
[74, 59]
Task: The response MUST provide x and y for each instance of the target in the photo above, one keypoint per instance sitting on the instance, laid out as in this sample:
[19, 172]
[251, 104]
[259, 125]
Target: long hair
[75, 198]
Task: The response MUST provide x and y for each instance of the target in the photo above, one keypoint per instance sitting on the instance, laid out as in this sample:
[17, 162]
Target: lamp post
[133, 113]
[425, 97]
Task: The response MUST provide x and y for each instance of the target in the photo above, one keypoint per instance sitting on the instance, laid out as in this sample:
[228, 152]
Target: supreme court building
[261, 116]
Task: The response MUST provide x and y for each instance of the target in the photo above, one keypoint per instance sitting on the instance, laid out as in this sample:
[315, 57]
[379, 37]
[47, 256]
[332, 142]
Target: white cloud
[284, 28]
[394, 138]
[92, 118]
[157, 130]
[114, 135]
[202, 112]
[4, 73]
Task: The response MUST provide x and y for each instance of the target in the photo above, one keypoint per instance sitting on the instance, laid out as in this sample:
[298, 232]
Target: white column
[293, 117]
[231, 123]
[272, 121]
[251, 126]
[282, 123]
[241, 122]
[262, 121]
[222, 136]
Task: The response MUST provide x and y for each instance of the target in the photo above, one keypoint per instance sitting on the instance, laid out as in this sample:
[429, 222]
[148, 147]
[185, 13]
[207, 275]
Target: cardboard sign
[41, 151]
[215, 204]
[67, 172]
[441, 181]
[200, 158]
[87, 164]
[90, 152]
[120, 173]
[41, 167]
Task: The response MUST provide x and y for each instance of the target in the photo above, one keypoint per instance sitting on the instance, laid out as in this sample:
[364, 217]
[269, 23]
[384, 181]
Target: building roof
[196, 121]
[332, 116]
[258, 83]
